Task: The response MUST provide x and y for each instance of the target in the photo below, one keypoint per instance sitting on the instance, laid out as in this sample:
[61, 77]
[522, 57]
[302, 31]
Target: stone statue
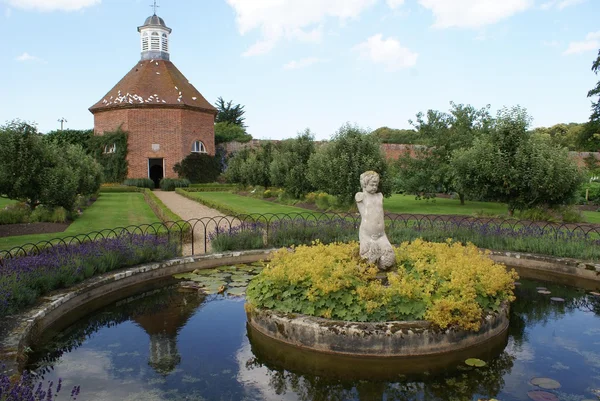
[374, 244]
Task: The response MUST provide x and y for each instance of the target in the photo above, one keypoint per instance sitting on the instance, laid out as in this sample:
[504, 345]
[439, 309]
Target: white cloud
[393, 4]
[7, 12]
[560, 4]
[291, 19]
[26, 57]
[303, 63]
[591, 42]
[473, 13]
[52, 5]
[388, 52]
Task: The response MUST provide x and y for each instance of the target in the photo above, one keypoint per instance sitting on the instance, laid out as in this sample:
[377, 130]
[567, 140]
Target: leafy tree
[516, 168]
[114, 163]
[37, 172]
[589, 138]
[595, 91]
[229, 113]
[337, 165]
[289, 167]
[70, 136]
[227, 132]
[428, 171]
[198, 168]
[251, 166]
[405, 136]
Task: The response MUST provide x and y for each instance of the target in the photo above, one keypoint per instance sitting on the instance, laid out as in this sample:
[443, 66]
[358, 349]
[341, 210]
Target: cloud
[52, 5]
[7, 12]
[560, 4]
[26, 57]
[393, 4]
[303, 63]
[473, 13]
[300, 20]
[388, 52]
[591, 42]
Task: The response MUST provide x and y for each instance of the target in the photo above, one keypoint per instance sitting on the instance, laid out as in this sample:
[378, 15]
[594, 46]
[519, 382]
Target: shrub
[169, 184]
[559, 214]
[244, 236]
[257, 191]
[446, 283]
[139, 182]
[592, 189]
[310, 197]
[322, 201]
[198, 168]
[267, 194]
[14, 214]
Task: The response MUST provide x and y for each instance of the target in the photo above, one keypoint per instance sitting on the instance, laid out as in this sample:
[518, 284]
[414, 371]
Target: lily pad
[184, 276]
[475, 362]
[238, 284]
[545, 382]
[544, 292]
[542, 396]
[236, 291]
[242, 277]
[541, 288]
[213, 289]
[557, 299]
[205, 272]
[596, 294]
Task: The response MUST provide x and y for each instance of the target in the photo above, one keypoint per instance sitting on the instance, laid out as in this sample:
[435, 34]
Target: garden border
[17, 332]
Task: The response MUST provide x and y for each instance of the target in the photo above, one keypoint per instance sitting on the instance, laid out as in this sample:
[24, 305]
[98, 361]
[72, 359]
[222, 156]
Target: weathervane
[155, 7]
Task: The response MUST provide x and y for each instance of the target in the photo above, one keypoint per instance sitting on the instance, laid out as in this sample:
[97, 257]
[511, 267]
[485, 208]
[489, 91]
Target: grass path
[4, 202]
[242, 204]
[111, 210]
[408, 204]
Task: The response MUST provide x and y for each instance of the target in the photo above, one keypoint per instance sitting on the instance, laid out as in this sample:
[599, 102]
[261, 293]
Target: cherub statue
[374, 244]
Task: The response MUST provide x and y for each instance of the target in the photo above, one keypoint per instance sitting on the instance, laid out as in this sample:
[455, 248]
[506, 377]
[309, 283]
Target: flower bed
[24, 279]
[447, 284]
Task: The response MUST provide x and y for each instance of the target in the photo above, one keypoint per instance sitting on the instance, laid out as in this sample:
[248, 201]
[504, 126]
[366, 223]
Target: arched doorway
[155, 171]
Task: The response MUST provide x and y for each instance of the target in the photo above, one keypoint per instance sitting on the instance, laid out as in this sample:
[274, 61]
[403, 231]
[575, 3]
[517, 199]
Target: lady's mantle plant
[446, 283]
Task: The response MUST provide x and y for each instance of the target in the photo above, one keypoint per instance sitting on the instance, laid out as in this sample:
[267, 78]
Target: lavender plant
[25, 389]
[24, 279]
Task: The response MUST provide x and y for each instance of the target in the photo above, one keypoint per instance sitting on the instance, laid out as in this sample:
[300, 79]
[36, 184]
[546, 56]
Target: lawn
[4, 202]
[408, 204]
[242, 204]
[111, 210]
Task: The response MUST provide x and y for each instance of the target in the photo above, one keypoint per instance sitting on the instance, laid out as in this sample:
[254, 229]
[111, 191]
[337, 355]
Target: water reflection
[165, 344]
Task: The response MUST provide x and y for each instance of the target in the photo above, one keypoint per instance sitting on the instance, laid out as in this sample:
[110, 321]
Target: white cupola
[154, 39]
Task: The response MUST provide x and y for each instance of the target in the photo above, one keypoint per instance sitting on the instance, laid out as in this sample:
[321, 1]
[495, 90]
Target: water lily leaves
[184, 276]
[545, 382]
[212, 289]
[236, 291]
[545, 292]
[596, 294]
[242, 277]
[557, 299]
[478, 363]
[542, 396]
[541, 288]
[238, 284]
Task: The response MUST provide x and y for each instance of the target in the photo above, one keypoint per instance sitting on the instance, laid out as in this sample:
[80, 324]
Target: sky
[317, 64]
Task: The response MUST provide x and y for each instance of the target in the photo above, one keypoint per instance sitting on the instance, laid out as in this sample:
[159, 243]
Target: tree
[589, 138]
[516, 168]
[595, 91]
[198, 168]
[405, 136]
[228, 132]
[70, 136]
[289, 167]
[428, 170]
[228, 113]
[336, 166]
[251, 166]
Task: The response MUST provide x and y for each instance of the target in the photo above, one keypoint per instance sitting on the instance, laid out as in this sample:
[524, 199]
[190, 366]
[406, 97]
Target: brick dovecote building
[165, 116]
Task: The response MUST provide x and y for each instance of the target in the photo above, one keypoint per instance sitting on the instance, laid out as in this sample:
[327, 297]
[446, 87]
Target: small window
[145, 43]
[165, 43]
[198, 147]
[155, 41]
[110, 148]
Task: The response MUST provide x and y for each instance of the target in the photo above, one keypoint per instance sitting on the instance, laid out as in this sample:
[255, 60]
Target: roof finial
[155, 7]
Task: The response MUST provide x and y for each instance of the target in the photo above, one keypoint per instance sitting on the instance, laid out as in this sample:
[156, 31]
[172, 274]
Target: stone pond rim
[373, 339]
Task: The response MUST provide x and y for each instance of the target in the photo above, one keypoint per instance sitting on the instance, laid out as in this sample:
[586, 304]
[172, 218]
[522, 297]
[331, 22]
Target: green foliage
[561, 135]
[513, 167]
[139, 182]
[448, 284]
[403, 136]
[52, 215]
[595, 92]
[557, 214]
[289, 167]
[591, 190]
[169, 184]
[39, 172]
[337, 165]
[15, 213]
[70, 136]
[159, 208]
[589, 137]
[119, 189]
[198, 168]
[251, 166]
[114, 164]
[228, 132]
[267, 194]
[228, 113]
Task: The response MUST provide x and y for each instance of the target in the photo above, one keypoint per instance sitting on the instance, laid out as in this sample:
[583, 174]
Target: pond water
[169, 343]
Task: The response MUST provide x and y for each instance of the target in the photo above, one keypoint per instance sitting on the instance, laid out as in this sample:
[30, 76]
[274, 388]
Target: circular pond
[167, 342]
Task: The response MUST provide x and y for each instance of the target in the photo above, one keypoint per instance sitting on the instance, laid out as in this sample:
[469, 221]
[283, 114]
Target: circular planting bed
[440, 298]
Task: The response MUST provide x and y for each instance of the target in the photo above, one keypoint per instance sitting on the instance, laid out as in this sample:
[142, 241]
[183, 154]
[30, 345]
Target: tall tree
[589, 138]
[290, 164]
[230, 113]
[595, 91]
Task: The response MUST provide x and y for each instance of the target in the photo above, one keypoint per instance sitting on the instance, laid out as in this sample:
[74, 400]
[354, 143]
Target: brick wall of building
[158, 133]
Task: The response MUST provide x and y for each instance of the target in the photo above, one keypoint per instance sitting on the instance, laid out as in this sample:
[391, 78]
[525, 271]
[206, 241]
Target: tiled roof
[153, 83]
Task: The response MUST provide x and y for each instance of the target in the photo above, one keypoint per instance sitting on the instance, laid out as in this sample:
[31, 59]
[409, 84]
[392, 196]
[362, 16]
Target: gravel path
[188, 209]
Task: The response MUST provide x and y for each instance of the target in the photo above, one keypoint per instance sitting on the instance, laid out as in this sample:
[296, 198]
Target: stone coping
[373, 339]
[20, 331]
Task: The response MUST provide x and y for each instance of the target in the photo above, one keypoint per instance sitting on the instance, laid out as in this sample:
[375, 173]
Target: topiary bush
[198, 168]
[169, 184]
[446, 283]
[139, 182]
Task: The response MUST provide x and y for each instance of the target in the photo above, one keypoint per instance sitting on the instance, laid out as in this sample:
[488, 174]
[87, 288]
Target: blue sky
[315, 64]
